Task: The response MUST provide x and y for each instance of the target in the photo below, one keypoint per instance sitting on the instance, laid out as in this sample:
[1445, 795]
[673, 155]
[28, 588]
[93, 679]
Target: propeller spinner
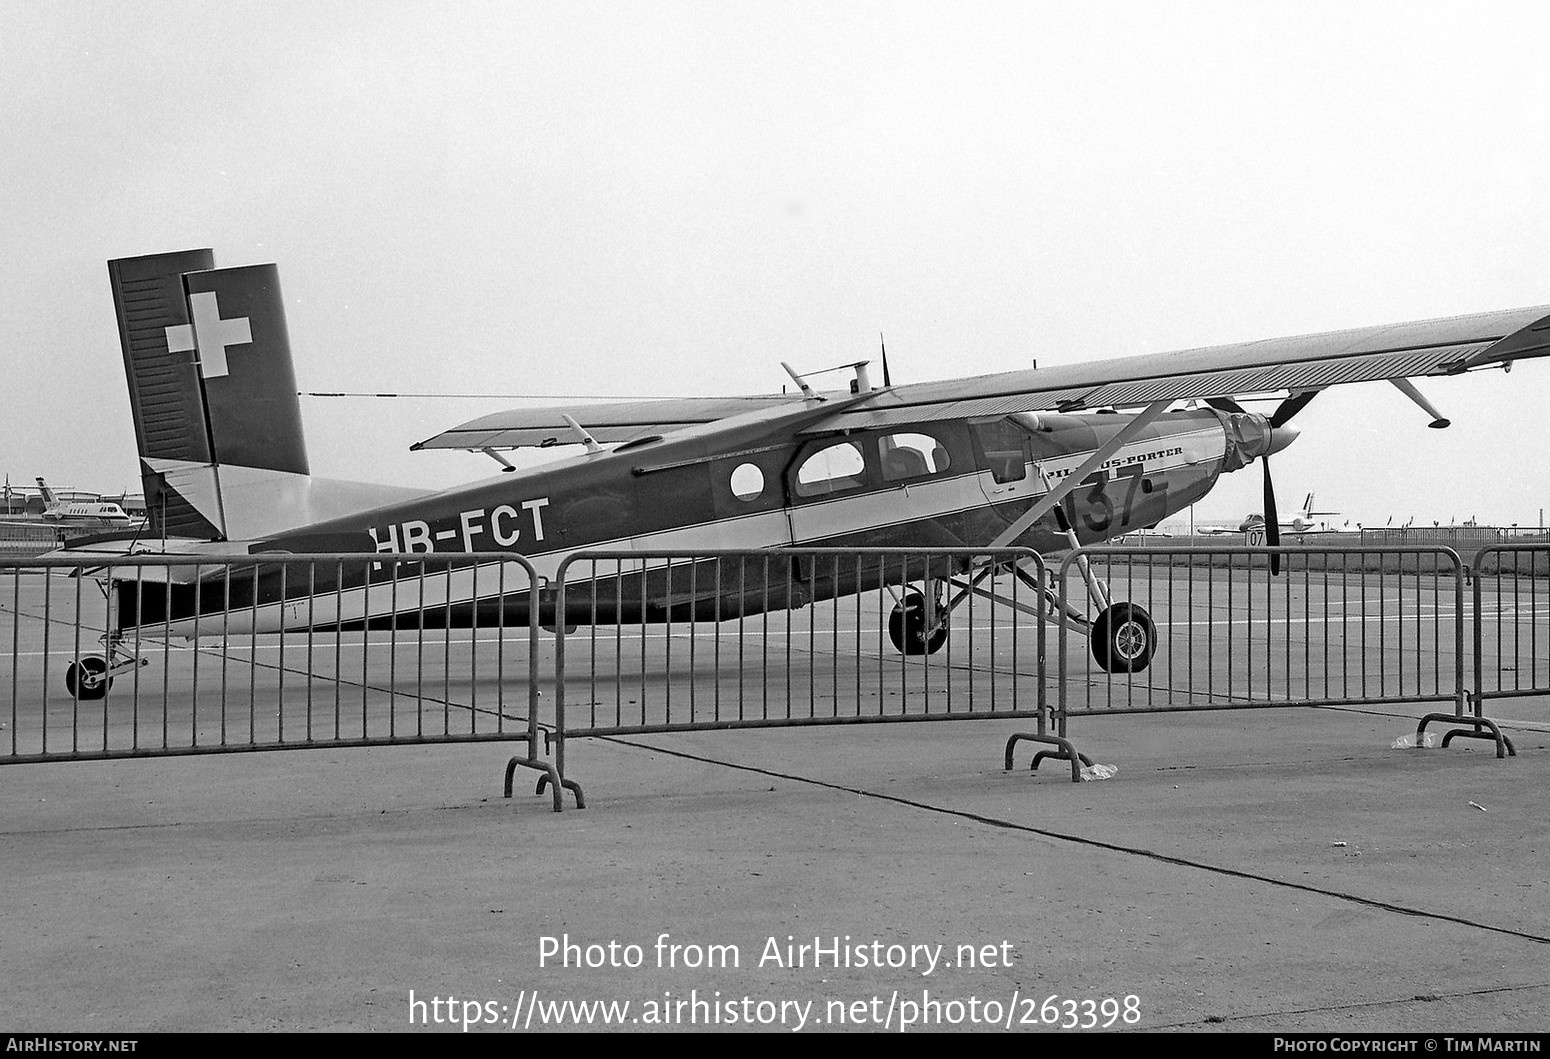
[1277, 436]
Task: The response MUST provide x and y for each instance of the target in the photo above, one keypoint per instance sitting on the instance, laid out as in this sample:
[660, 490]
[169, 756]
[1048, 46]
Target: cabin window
[911, 456]
[747, 482]
[1002, 442]
[831, 469]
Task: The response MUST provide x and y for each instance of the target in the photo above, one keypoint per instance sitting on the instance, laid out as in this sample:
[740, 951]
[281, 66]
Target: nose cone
[1280, 437]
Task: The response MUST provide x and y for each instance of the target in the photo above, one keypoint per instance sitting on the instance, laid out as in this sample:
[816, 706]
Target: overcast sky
[654, 199]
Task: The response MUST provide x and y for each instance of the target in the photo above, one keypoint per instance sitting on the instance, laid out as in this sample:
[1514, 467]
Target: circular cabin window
[747, 482]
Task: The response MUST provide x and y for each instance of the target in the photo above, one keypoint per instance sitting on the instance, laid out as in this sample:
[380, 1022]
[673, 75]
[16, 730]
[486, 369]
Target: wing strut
[1126, 435]
[593, 448]
[506, 465]
[807, 391]
[1406, 387]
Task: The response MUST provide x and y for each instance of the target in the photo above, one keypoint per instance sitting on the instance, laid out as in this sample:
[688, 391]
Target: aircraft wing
[621, 421]
[1445, 346]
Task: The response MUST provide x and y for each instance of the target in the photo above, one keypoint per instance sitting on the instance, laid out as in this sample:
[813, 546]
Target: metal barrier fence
[1460, 538]
[1326, 626]
[259, 652]
[168, 656]
[19, 540]
[1512, 621]
[819, 636]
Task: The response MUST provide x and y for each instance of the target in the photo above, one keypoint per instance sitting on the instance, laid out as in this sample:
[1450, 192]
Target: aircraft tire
[1124, 639]
[907, 627]
[88, 679]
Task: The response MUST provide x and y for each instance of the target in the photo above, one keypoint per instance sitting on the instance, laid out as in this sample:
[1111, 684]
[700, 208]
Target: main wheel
[1124, 639]
[88, 678]
[907, 627]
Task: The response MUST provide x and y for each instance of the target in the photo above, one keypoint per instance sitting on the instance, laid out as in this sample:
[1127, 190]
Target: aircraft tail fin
[211, 384]
[47, 493]
[213, 391]
[1309, 512]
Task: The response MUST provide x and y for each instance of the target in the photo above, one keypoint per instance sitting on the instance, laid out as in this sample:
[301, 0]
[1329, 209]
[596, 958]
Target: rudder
[211, 382]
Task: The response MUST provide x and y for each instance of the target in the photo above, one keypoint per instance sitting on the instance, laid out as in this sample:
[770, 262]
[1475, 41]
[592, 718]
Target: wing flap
[623, 421]
[1317, 374]
[1306, 362]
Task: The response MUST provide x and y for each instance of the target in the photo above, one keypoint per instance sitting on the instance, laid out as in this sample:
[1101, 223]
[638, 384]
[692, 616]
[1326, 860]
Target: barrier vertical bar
[16, 630]
[501, 596]
[857, 575]
[473, 648]
[393, 580]
[312, 622]
[134, 742]
[1382, 630]
[561, 609]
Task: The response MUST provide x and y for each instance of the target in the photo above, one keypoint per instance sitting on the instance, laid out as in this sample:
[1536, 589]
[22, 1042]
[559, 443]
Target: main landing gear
[1123, 636]
[88, 678]
[91, 676]
[910, 628]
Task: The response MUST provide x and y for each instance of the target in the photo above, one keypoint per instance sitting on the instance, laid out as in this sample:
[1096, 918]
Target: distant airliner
[1301, 524]
[92, 513]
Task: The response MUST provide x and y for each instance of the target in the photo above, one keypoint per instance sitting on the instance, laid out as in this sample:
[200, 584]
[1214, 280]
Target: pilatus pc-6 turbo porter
[1048, 458]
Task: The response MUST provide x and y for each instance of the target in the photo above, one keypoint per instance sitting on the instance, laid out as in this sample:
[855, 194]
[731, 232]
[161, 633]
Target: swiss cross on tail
[209, 334]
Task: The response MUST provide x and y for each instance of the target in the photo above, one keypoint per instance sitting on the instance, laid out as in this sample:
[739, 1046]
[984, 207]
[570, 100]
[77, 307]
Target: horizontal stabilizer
[261, 503]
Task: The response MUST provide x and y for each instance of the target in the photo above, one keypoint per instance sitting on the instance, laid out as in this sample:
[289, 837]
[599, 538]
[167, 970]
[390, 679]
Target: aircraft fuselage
[757, 483]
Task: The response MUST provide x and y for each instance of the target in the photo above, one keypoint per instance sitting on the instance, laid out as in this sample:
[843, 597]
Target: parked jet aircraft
[1301, 524]
[1306, 520]
[1046, 458]
[84, 515]
[98, 513]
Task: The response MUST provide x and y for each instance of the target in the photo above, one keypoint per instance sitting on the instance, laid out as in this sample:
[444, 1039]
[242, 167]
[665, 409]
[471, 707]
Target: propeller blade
[1224, 404]
[1272, 520]
[887, 379]
[1291, 406]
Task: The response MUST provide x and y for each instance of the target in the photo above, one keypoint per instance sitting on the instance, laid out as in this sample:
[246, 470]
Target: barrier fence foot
[549, 778]
[1067, 752]
[1504, 747]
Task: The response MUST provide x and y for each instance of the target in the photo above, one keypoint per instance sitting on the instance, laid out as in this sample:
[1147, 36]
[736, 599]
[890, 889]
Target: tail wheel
[88, 678]
[907, 627]
[1124, 639]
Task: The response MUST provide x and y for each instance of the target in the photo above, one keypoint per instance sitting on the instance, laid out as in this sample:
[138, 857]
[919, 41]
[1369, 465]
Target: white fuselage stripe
[847, 514]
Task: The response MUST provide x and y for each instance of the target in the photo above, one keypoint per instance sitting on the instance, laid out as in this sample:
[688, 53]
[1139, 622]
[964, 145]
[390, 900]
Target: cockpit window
[911, 456]
[1002, 442]
[831, 469]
